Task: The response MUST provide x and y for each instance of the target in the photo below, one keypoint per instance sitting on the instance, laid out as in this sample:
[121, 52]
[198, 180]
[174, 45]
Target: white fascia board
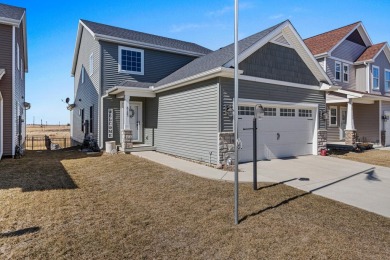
[245, 101]
[245, 54]
[349, 93]
[321, 55]
[335, 101]
[9, 21]
[363, 62]
[2, 72]
[278, 82]
[25, 42]
[144, 45]
[77, 47]
[386, 51]
[132, 91]
[363, 34]
[327, 87]
[217, 72]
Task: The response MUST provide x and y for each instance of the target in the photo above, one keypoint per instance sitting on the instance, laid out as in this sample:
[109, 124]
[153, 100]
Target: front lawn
[69, 205]
[376, 157]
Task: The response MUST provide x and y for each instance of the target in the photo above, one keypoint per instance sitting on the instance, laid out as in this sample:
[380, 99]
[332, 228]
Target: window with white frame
[375, 77]
[131, 60]
[82, 74]
[269, 111]
[287, 112]
[345, 73]
[17, 56]
[91, 64]
[333, 116]
[246, 111]
[305, 113]
[337, 70]
[387, 80]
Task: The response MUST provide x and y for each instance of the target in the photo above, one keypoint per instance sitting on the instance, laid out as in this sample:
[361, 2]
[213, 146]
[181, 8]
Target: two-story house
[176, 97]
[13, 66]
[360, 109]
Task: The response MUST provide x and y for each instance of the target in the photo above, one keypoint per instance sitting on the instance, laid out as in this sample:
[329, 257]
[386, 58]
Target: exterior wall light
[324, 115]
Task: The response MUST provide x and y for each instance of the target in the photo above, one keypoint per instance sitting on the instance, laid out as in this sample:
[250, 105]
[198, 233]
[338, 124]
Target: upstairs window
[337, 71]
[82, 74]
[345, 73]
[375, 78]
[131, 60]
[91, 64]
[387, 80]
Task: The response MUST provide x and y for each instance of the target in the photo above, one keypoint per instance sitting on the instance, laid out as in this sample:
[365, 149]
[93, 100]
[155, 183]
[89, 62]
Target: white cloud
[276, 16]
[177, 28]
[228, 9]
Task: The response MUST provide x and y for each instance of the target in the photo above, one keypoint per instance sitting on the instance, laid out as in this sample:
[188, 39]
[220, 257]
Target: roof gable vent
[281, 40]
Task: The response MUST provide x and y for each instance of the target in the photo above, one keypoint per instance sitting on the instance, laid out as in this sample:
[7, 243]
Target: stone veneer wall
[322, 138]
[350, 137]
[226, 147]
[383, 138]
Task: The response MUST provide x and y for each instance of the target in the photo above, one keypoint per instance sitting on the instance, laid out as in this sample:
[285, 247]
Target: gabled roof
[139, 39]
[328, 41]
[221, 60]
[371, 52]
[11, 14]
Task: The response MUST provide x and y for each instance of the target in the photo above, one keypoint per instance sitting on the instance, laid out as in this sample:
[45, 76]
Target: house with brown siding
[13, 66]
[359, 110]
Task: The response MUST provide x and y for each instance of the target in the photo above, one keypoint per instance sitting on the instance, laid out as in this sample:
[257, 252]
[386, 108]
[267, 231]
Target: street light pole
[235, 110]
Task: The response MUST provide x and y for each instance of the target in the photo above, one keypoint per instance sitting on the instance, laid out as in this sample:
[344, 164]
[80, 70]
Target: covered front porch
[354, 118]
[127, 118]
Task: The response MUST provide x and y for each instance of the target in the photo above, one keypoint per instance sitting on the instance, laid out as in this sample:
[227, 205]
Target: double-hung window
[337, 71]
[387, 80]
[375, 78]
[345, 73]
[131, 60]
[333, 116]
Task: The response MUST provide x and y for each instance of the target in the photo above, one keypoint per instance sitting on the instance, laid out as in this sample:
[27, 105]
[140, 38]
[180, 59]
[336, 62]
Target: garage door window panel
[287, 112]
[305, 113]
[270, 111]
[246, 111]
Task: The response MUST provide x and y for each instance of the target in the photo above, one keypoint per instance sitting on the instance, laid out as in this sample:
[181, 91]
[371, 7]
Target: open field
[68, 205]
[376, 157]
[54, 131]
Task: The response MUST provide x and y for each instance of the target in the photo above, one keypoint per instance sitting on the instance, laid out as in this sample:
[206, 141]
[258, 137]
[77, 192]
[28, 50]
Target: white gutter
[327, 87]
[101, 121]
[9, 21]
[136, 92]
[219, 71]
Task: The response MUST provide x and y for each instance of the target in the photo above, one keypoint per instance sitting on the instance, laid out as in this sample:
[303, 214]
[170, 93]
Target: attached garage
[284, 131]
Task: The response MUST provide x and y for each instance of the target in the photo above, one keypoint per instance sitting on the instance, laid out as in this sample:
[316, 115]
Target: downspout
[101, 121]
[380, 122]
[13, 100]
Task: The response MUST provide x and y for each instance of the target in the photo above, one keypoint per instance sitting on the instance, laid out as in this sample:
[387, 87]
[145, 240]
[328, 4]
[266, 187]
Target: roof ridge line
[333, 30]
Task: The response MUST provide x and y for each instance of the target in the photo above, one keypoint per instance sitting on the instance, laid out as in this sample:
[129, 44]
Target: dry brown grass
[68, 205]
[376, 157]
[53, 131]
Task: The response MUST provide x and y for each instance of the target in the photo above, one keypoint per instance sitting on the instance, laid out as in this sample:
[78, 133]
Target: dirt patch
[376, 157]
[67, 204]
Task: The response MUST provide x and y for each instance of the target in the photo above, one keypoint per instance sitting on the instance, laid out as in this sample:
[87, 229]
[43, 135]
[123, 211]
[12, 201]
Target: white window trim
[82, 74]
[17, 56]
[120, 48]
[387, 80]
[330, 115]
[372, 77]
[335, 70]
[346, 65]
[91, 64]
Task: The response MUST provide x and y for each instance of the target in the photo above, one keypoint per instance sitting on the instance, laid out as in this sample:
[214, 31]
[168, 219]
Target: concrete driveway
[358, 184]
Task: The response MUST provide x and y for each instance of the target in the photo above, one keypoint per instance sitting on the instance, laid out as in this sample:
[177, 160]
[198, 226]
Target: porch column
[127, 134]
[350, 131]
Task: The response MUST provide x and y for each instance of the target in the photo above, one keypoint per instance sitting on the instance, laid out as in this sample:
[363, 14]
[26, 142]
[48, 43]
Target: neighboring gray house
[360, 109]
[173, 94]
[13, 65]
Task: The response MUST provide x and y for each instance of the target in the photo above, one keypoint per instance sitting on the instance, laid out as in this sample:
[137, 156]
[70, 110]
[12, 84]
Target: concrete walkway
[358, 184]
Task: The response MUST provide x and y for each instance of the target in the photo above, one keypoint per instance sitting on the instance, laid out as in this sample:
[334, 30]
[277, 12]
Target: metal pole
[235, 109]
[254, 153]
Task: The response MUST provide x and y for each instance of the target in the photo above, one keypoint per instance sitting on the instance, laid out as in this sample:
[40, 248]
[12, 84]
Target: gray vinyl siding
[330, 71]
[111, 103]
[150, 123]
[276, 62]
[6, 86]
[382, 62]
[157, 65]
[361, 78]
[188, 121]
[264, 91]
[385, 106]
[367, 122]
[349, 51]
[87, 94]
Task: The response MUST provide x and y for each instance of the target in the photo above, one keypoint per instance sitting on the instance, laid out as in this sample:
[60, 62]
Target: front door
[136, 123]
[343, 122]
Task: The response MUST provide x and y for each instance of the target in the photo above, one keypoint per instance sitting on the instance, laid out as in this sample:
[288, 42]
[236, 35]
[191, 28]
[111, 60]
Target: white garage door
[283, 132]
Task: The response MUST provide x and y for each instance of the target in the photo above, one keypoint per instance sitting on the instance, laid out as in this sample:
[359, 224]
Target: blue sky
[52, 28]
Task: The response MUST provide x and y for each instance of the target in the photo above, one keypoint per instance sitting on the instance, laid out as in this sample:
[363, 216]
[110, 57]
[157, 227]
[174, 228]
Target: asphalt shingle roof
[214, 59]
[141, 37]
[326, 41]
[371, 51]
[11, 12]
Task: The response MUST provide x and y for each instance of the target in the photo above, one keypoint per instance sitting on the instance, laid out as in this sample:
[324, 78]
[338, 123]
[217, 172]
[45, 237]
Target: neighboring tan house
[360, 109]
[13, 65]
[173, 95]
